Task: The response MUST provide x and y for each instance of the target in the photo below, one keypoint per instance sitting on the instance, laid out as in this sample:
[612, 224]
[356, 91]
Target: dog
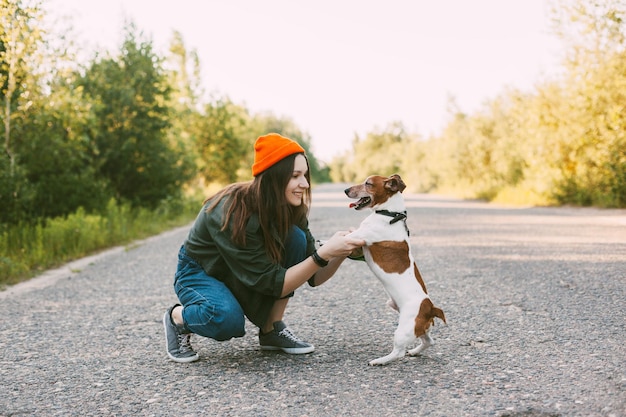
[387, 252]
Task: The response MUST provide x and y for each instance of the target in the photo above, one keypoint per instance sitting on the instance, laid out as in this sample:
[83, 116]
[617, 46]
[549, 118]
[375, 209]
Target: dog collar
[396, 217]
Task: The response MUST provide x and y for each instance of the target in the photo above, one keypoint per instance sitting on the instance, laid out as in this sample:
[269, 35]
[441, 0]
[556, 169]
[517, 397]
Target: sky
[342, 67]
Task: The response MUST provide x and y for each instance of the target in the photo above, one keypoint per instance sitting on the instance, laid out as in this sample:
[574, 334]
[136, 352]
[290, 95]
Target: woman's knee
[228, 326]
[296, 237]
[217, 322]
[295, 247]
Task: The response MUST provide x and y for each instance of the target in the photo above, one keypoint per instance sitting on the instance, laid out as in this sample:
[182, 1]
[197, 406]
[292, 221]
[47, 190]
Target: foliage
[564, 143]
[130, 150]
[393, 142]
[595, 120]
[21, 44]
[183, 69]
[96, 154]
[56, 156]
[29, 248]
[125, 136]
[219, 142]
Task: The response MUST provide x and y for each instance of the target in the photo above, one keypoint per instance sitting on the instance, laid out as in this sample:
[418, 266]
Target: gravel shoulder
[535, 300]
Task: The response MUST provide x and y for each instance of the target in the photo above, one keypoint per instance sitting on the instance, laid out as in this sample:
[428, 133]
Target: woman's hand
[339, 245]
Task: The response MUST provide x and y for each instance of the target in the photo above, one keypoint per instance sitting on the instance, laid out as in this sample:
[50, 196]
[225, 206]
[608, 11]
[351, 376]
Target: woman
[248, 250]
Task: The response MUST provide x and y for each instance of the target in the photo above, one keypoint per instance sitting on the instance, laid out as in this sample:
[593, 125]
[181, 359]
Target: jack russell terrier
[387, 252]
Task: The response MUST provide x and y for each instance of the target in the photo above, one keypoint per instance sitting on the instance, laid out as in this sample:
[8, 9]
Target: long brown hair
[265, 197]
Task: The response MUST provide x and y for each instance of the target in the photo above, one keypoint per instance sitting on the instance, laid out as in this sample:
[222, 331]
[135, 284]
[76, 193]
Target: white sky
[340, 67]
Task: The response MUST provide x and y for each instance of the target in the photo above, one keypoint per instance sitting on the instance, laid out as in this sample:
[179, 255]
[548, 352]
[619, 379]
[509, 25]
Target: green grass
[29, 249]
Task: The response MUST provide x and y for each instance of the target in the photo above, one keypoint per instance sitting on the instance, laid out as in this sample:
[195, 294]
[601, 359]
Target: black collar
[397, 215]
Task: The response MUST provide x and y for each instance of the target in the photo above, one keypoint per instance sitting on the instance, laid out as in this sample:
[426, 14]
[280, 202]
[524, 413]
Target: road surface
[535, 300]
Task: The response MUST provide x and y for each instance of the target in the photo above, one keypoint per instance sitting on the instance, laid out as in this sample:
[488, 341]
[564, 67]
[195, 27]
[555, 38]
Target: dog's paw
[384, 360]
[425, 344]
[357, 255]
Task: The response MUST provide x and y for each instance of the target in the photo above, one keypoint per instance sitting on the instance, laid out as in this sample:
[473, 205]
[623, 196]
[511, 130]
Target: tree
[20, 46]
[130, 96]
[183, 73]
[391, 142]
[20, 39]
[220, 142]
[57, 157]
[593, 135]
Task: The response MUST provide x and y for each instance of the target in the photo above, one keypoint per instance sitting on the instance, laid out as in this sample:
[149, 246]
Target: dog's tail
[437, 312]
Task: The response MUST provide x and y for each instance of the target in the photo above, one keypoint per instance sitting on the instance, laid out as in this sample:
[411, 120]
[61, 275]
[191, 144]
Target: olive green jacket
[248, 272]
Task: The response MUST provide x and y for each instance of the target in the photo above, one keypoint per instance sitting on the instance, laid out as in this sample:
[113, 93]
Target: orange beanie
[271, 148]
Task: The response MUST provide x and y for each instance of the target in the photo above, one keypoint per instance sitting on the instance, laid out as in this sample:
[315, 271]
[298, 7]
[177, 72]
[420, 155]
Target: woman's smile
[298, 182]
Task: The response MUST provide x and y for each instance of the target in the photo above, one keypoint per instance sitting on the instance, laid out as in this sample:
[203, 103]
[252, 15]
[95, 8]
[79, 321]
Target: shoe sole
[167, 350]
[291, 351]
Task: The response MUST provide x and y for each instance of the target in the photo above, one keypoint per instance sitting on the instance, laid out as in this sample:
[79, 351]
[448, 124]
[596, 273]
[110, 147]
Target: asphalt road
[535, 300]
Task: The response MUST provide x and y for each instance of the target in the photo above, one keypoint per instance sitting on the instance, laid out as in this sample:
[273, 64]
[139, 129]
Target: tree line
[130, 126]
[135, 127]
[562, 143]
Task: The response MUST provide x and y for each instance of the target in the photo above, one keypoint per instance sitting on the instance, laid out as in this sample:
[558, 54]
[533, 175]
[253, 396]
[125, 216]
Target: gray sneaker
[281, 338]
[177, 341]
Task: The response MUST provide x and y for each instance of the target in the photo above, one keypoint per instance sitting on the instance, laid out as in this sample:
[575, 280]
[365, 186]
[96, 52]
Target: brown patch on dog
[375, 187]
[395, 184]
[382, 188]
[418, 276]
[391, 256]
[426, 317]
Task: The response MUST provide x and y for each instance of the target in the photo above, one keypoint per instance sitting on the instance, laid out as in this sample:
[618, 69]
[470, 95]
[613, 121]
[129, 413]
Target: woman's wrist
[319, 260]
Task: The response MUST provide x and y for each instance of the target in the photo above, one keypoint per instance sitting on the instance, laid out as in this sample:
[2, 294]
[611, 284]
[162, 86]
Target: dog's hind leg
[425, 342]
[402, 337]
[396, 353]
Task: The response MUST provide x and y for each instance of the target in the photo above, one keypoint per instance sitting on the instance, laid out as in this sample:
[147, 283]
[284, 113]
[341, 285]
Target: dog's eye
[368, 184]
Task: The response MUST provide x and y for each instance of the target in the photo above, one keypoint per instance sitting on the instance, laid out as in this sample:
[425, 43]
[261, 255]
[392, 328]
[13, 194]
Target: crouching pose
[248, 250]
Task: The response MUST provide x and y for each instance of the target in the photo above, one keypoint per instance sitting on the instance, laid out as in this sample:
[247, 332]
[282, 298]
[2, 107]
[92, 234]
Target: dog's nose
[347, 190]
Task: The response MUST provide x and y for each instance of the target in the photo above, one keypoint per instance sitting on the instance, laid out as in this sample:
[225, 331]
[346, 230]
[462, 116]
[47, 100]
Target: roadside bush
[31, 248]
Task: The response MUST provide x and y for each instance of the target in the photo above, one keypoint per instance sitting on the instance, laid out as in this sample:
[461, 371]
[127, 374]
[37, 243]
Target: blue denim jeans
[210, 309]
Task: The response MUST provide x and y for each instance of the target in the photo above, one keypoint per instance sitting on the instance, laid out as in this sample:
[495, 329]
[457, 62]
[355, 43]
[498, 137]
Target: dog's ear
[394, 183]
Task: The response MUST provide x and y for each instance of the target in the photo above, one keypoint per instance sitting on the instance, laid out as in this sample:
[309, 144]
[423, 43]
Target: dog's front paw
[357, 255]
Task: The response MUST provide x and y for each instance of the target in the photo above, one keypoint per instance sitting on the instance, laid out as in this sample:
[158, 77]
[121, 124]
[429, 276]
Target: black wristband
[319, 260]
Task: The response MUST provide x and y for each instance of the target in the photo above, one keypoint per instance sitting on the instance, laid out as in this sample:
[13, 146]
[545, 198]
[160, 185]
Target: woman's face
[298, 183]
